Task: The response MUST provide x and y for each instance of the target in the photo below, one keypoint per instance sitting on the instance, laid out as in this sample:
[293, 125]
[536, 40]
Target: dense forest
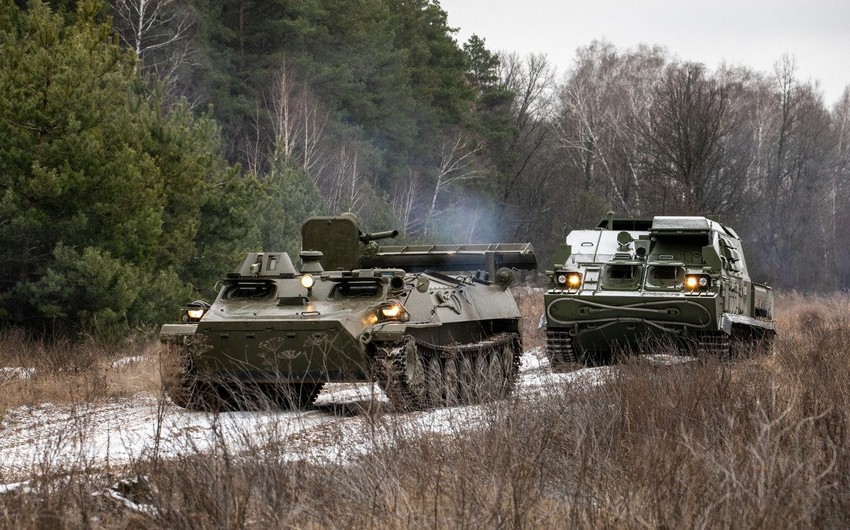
[148, 143]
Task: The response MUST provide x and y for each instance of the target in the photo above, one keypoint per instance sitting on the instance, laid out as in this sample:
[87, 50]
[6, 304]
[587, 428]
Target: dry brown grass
[529, 299]
[75, 372]
[759, 443]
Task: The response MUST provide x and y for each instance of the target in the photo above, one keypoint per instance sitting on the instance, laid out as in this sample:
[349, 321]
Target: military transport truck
[637, 285]
[431, 324]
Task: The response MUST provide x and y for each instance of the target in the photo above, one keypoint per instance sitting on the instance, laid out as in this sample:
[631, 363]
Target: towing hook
[366, 337]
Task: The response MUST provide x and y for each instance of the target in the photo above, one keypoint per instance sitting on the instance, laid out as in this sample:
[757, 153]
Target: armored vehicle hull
[274, 335]
[640, 285]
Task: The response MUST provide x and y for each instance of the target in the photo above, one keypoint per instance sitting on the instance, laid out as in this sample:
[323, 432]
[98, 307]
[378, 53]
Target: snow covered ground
[342, 425]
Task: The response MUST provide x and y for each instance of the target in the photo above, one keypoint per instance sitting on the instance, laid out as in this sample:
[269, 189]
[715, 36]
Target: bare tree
[298, 122]
[458, 162]
[405, 200]
[840, 190]
[519, 136]
[146, 26]
[686, 142]
[158, 32]
[603, 109]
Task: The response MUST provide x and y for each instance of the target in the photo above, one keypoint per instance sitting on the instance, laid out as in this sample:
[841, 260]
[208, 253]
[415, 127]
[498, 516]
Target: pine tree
[100, 188]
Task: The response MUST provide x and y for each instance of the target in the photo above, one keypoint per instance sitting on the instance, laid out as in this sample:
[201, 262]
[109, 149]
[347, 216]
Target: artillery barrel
[378, 235]
[454, 258]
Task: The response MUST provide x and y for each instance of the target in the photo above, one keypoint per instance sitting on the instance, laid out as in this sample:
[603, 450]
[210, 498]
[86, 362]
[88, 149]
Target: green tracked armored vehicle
[631, 285]
[432, 325]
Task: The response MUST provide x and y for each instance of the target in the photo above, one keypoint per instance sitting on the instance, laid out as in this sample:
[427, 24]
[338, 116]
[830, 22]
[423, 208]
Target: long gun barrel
[454, 258]
[378, 235]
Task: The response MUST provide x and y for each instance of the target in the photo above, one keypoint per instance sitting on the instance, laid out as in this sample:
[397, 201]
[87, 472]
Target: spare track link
[446, 375]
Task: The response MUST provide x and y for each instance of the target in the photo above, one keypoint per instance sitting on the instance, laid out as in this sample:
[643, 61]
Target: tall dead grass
[63, 371]
[529, 299]
[761, 442]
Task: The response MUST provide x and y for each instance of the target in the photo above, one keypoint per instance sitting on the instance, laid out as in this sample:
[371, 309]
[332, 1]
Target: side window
[249, 291]
[622, 277]
[355, 289]
[665, 276]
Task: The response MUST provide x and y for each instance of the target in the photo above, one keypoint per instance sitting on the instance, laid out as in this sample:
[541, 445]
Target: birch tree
[603, 106]
[458, 162]
[150, 27]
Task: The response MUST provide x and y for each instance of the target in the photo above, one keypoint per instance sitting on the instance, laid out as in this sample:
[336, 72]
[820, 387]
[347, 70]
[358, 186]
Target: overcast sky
[753, 33]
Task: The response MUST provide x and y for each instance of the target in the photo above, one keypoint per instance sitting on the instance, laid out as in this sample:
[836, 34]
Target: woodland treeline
[147, 144]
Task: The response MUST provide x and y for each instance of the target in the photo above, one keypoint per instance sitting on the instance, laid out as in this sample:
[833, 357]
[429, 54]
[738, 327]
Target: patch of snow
[346, 392]
[124, 362]
[23, 487]
[668, 359]
[339, 429]
[15, 372]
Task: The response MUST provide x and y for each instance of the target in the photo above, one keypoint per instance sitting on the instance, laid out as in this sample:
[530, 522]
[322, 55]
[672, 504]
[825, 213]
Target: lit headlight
[568, 280]
[307, 281]
[694, 282]
[194, 311]
[392, 310]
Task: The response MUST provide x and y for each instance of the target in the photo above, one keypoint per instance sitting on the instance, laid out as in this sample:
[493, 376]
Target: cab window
[356, 289]
[665, 276]
[248, 291]
[621, 276]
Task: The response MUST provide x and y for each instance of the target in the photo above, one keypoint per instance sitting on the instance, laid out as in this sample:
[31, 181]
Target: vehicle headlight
[307, 281]
[392, 310]
[697, 282]
[568, 280]
[193, 312]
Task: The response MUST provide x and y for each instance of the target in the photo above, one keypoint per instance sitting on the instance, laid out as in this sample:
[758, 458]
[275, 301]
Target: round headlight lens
[391, 310]
[307, 281]
[691, 282]
[562, 279]
[703, 281]
[573, 280]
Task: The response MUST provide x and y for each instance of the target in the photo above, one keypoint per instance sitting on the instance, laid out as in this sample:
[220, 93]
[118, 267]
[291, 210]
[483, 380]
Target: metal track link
[716, 344]
[559, 349]
[417, 375]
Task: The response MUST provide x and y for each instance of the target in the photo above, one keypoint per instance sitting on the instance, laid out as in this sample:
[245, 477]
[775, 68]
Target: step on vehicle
[433, 325]
[635, 285]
